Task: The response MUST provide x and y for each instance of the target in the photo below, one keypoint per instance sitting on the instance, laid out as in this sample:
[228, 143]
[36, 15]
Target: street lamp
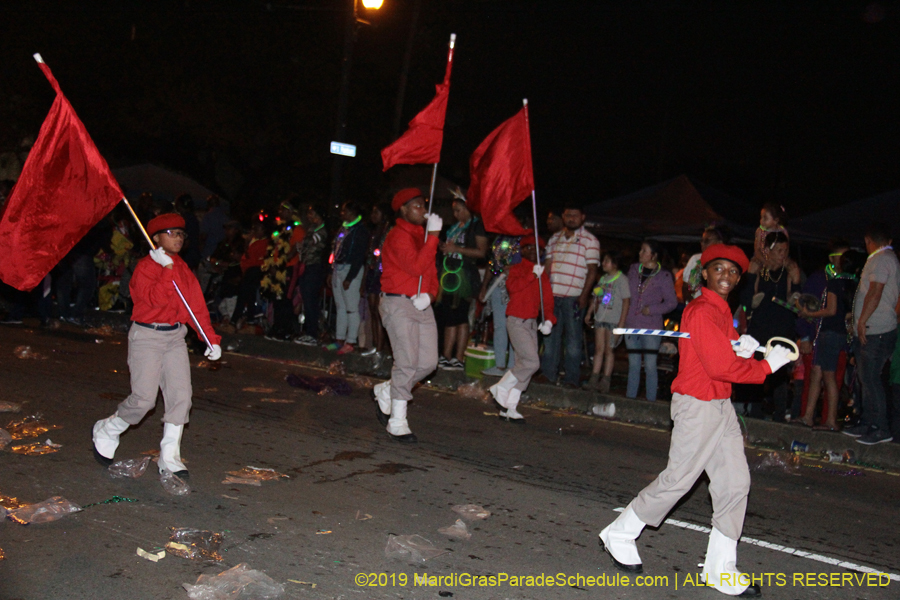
[353, 21]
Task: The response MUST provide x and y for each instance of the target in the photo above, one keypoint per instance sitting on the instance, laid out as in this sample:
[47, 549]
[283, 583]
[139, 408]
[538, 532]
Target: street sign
[343, 149]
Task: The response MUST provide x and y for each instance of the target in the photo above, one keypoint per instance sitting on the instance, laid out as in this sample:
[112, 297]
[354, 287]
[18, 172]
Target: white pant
[346, 303]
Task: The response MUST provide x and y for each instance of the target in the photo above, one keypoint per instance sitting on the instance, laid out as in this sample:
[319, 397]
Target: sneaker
[368, 352]
[346, 349]
[443, 363]
[454, 365]
[875, 437]
[306, 340]
[856, 431]
[494, 372]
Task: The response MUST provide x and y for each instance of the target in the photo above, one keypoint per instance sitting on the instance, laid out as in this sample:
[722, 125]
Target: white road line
[786, 549]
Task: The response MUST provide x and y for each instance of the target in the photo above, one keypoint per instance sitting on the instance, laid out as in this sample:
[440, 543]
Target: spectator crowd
[303, 275]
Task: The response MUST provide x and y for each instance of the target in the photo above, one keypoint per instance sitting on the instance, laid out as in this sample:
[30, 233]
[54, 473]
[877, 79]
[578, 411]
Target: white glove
[435, 223]
[214, 353]
[545, 327]
[537, 270]
[778, 357]
[746, 346]
[160, 257]
[421, 301]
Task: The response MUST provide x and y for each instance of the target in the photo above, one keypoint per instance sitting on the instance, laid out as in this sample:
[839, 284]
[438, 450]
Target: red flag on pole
[421, 144]
[65, 188]
[501, 175]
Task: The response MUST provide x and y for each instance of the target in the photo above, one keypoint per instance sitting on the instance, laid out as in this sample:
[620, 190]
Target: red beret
[404, 196]
[528, 240]
[165, 221]
[732, 253]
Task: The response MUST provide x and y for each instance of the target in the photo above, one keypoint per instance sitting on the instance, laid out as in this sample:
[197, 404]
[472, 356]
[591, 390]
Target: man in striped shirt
[573, 255]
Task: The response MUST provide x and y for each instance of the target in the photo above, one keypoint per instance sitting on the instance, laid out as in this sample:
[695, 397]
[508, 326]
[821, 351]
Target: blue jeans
[870, 361]
[501, 339]
[569, 324]
[646, 347]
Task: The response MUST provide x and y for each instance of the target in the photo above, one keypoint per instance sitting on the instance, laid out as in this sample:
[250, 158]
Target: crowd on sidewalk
[299, 275]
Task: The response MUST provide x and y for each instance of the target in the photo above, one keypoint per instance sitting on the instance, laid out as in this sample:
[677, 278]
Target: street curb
[759, 433]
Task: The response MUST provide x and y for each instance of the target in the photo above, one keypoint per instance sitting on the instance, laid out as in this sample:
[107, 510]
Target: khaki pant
[706, 437]
[523, 337]
[414, 340]
[157, 360]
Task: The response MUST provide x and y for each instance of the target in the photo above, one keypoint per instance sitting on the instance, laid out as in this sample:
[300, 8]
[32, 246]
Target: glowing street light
[372, 4]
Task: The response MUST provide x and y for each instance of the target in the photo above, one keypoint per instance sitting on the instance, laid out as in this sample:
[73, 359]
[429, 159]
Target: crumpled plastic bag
[414, 548]
[9, 502]
[473, 390]
[237, 582]
[194, 544]
[50, 509]
[5, 438]
[30, 426]
[174, 484]
[253, 476]
[9, 406]
[471, 511]
[787, 462]
[457, 530]
[27, 353]
[336, 368]
[36, 448]
[105, 330]
[133, 467]
[320, 385]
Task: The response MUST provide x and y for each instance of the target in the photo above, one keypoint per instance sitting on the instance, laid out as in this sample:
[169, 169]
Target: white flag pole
[537, 248]
[177, 289]
[434, 169]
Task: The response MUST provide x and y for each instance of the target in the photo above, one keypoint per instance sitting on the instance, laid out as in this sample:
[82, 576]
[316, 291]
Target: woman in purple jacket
[652, 296]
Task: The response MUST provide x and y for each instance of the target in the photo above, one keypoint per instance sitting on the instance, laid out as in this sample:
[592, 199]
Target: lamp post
[337, 169]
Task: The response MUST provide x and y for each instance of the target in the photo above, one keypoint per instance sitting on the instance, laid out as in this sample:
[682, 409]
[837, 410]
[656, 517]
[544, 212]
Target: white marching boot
[720, 567]
[500, 390]
[106, 434]
[618, 540]
[382, 393]
[170, 451]
[511, 414]
[397, 425]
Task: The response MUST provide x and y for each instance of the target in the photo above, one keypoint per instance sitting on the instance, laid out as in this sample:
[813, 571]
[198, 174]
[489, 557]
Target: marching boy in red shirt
[522, 312]
[408, 255]
[706, 435]
[157, 353]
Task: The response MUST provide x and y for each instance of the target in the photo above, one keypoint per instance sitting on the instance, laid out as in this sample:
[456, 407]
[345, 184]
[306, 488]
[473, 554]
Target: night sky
[790, 101]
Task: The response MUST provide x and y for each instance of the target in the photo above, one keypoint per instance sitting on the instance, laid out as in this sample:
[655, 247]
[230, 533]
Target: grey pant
[157, 360]
[414, 339]
[523, 337]
[706, 437]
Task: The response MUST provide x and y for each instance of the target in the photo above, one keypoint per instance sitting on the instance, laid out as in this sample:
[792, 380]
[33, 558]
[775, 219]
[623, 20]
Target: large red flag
[501, 175]
[421, 144]
[65, 188]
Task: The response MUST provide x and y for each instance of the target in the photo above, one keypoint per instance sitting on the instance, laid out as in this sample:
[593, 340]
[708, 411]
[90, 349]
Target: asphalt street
[550, 486]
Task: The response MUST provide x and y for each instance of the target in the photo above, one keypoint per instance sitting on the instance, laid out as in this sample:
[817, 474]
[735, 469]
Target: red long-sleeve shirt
[524, 293]
[156, 301]
[405, 256]
[708, 363]
[254, 254]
